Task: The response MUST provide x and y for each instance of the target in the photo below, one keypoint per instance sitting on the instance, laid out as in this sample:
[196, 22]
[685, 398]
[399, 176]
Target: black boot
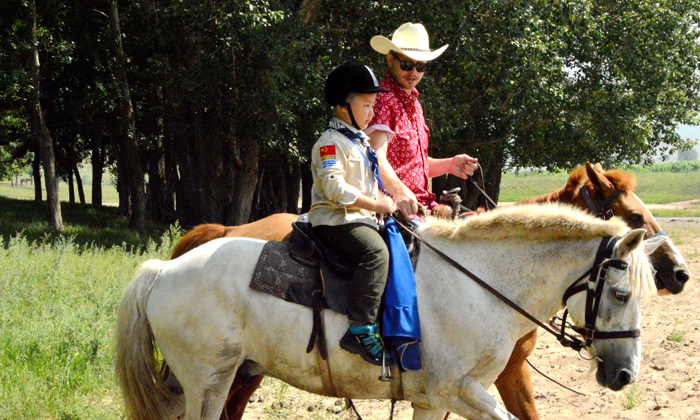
[367, 343]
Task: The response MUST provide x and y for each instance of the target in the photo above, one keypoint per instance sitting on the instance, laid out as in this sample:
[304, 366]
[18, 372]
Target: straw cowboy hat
[411, 40]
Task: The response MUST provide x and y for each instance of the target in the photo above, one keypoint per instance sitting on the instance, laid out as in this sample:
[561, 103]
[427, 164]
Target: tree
[40, 129]
[226, 97]
[687, 155]
[553, 84]
[128, 149]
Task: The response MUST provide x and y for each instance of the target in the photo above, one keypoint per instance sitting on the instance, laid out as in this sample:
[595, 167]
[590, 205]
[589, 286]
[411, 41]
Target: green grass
[652, 187]
[84, 224]
[632, 398]
[57, 308]
[26, 192]
[58, 298]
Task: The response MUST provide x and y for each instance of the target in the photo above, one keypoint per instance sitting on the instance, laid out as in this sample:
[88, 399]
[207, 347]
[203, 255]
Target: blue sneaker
[367, 343]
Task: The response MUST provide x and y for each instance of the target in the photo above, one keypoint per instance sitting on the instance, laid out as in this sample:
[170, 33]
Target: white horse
[208, 323]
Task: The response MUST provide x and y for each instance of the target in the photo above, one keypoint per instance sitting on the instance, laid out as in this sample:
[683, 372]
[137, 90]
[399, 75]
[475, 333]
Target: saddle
[306, 272]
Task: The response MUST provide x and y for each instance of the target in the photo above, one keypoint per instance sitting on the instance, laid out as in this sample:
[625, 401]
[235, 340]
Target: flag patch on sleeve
[328, 156]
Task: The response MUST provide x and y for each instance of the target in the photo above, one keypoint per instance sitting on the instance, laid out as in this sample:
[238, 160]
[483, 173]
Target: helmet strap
[352, 117]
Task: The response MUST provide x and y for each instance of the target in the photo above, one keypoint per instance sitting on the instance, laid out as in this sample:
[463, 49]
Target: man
[398, 132]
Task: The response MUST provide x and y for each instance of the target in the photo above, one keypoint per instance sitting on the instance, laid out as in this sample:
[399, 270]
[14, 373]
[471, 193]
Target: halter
[606, 212]
[605, 209]
[594, 288]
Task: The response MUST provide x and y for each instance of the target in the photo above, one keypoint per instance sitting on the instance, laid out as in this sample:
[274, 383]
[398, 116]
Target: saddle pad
[280, 276]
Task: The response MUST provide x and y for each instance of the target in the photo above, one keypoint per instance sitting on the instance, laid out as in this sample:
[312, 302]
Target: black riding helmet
[350, 78]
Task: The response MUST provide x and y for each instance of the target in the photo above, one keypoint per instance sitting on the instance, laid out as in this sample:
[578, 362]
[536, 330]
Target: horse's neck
[533, 275]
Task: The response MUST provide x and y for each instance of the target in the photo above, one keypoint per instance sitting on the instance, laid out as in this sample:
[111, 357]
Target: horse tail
[143, 387]
[199, 235]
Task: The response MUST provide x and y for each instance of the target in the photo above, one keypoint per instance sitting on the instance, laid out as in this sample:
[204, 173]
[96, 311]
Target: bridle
[593, 288]
[605, 211]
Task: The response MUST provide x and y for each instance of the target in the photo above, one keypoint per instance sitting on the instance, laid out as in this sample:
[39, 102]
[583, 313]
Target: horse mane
[620, 179]
[640, 269]
[540, 222]
[545, 222]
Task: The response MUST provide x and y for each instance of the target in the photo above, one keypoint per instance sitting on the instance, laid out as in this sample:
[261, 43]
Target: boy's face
[362, 105]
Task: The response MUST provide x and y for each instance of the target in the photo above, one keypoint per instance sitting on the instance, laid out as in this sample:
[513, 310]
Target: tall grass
[57, 309]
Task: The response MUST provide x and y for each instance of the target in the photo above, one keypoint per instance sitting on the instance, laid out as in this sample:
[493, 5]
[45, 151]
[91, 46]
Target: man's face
[406, 79]
[362, 108]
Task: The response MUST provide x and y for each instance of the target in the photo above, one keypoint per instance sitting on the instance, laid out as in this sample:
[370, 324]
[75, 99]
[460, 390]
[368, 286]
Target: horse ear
[598, 167]
[630, 242]
[651, 244]
[599, 181]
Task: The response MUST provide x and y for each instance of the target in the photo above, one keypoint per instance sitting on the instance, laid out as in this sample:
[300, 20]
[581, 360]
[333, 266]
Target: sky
[688, 131]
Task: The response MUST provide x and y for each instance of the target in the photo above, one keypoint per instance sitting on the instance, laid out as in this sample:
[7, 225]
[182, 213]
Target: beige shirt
[341, 173]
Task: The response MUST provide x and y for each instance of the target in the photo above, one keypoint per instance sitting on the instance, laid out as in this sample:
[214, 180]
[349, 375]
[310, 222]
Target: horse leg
[238, 397]
[514, 384]
[473, 402]
[420, 413]
[205, 398]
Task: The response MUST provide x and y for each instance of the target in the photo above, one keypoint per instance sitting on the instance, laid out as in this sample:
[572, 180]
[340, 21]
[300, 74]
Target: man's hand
[463, 166]
[406, 202]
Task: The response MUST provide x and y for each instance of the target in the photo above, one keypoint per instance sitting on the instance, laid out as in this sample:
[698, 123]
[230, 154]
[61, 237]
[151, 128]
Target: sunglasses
[409, 65]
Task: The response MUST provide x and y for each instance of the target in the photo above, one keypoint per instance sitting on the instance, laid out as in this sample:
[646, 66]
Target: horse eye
[622, 297]
[635, 219]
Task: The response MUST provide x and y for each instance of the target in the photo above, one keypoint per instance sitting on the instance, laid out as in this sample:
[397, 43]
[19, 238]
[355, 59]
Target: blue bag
[401, 325]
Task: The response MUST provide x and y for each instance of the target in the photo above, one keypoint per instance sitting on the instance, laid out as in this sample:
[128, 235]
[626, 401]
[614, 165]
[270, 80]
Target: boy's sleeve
[328, 162]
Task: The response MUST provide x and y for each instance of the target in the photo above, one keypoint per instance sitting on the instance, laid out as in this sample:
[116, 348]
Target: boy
[345, 201]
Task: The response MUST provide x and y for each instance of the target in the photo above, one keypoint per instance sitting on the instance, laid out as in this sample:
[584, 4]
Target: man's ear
[389, 59]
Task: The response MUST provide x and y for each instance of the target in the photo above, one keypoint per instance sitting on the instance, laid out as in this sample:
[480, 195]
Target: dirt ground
[668, 385]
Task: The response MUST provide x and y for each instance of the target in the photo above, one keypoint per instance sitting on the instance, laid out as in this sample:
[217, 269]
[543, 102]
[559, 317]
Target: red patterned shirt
[401, 115]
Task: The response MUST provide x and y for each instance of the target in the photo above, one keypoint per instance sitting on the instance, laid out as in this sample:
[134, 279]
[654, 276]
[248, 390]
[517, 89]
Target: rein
[593, 287]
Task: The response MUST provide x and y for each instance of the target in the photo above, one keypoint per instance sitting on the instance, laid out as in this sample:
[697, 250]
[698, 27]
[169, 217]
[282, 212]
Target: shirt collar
[336, 123]
[396, 89]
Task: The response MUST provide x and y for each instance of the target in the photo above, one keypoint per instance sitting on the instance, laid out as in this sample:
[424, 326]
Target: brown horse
[609, 193]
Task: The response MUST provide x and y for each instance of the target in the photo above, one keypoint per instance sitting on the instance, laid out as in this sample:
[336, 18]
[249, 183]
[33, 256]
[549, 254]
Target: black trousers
[362, 245]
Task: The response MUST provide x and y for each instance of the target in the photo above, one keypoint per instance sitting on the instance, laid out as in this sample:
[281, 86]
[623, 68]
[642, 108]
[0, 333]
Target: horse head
[617, 295]
[612, 193]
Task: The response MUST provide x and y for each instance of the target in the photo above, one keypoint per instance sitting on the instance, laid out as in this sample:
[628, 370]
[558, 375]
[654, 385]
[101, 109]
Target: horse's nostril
[682, 276]
[624, 377]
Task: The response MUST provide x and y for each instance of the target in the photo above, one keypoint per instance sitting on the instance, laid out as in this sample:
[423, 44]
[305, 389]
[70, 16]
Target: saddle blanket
[278, 275]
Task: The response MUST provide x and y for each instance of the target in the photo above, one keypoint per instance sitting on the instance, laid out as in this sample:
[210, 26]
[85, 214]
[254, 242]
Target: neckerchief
[370, 158]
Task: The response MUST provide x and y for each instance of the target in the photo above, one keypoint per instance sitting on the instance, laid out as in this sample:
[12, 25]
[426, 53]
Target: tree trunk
[36, 173]
[41, 131]
[307, 181]
[79, 183]
[168, 161]
[71, 187]
[133, 171]
[188, 191]
[245, 182]
[97, 168]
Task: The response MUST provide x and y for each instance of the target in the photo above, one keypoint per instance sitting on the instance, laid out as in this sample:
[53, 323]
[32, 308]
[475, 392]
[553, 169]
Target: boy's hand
[406, 202]
[384, 205]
